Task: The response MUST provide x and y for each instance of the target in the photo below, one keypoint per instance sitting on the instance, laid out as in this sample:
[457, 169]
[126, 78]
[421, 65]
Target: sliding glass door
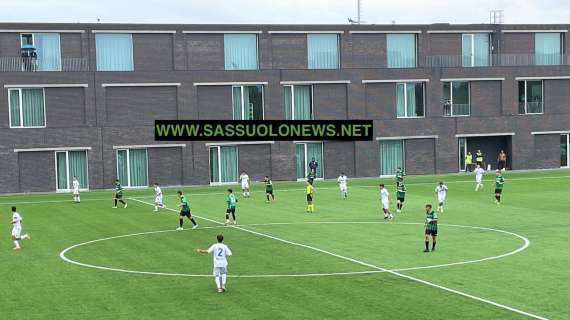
[132, 167]
[391, 156]
[69, 164]
[223, 164]
[305, 152]
[564, 150]
[462, 153]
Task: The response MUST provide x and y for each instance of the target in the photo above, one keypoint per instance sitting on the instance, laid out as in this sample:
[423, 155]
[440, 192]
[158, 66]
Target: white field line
[398, 274]
[261, 191]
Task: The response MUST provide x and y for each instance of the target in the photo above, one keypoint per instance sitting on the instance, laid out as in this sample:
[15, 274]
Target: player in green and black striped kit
[430, 228]
[499, 181]
[231, 200]
[399, 175]
[185, 211]
[268, 188]
[400, 195]
[119, 194]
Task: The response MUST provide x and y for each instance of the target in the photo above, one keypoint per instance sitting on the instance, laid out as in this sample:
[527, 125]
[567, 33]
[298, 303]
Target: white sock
[26, 236]
[155, 208]
[224, 279]
[17, 243]
[78, 199]
[218, 282]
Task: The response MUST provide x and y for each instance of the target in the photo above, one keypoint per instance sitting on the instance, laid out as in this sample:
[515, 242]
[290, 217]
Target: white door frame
[68, 186]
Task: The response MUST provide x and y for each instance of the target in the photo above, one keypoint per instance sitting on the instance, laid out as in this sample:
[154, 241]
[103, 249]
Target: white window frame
[21, 126]
[451, 99]
[241, 86]
[406, 116]
[403, 141]
[22, 38]
[68, 189]
[525, 97]
[307, 159]
[293, 100]
[34, 45]
[472, 35]
[338, 56]
[257, 53]
[567, 150]
[459, 152]
[128, 150]
[219, 182]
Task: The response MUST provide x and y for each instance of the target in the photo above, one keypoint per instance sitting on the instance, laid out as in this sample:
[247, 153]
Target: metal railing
[467, 61]
[19, 64]
[531, 107]
[456, 109]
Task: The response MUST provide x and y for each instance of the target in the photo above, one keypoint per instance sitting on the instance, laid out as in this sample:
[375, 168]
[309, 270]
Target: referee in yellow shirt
[310, 190]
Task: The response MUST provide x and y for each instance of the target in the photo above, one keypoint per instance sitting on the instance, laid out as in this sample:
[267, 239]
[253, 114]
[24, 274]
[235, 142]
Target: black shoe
[426, 250]
[432, 249]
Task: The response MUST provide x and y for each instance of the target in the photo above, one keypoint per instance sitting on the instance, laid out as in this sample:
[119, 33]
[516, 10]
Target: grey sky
[281, 11]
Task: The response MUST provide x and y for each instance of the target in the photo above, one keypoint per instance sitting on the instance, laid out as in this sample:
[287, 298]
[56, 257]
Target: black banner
[262, 130]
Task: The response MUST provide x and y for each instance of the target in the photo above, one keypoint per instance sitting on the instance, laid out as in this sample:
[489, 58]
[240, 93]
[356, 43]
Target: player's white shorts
[245, 185]
[158, 199]
[76, 191]
[441, 199]
[478, 180]
[218, 271]
[343, 189]
[385, 205]
[16, 231]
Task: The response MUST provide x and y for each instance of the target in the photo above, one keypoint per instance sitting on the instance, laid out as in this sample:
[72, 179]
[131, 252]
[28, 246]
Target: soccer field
[343, 261]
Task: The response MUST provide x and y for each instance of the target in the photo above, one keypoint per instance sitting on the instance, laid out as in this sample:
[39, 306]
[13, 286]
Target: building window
[27, 108]
[475, 47]
[401, 50]
[456, 99]
[114, 51]
[531, 97]
[42, 51]
[391, 156]
[409, 100]
[565, 150]
[240, 51]
[322, 51]
[69, 164]
[132, 167]
[247, 102]
[547, 48]
[298, 102]
[223, 164]
[462, 153]
[305, 152]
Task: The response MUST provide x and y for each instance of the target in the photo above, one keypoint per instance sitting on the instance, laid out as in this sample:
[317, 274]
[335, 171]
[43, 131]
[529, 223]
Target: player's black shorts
[231, 210]
[498, 190]
[431, 232]
[309, 197]
[118, 196]
[269, 192]
[401, 199]
[186, 214]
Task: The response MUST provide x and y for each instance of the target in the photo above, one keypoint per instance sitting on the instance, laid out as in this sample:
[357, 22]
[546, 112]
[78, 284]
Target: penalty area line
[362, 263]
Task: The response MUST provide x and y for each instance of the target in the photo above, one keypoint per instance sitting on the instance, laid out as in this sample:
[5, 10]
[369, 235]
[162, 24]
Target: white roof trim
[471, 79]
[543, 78]
[37, 30]
[48, 85]
[142, 84]
[383, 31]
[305, 32]
[395, 80]
[196, 84]
[215, 144]
[52, 149]
[549, 132]
[315, 82]
[408, 137]
[134, 31]
[533, 31]
[220, 31]
[460, 31]
[145, 146]
[467, 135]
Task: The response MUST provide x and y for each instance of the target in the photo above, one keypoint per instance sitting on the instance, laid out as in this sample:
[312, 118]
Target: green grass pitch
[288, 264]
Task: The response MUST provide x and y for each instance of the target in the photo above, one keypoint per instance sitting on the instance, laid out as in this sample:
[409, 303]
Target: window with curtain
[48, 50]
[132, 167]
[223, 164]
[27, 108]
[71, 164]
[322, 51]
[547, 48]
[304, 153]
[240, 51]
[247, 102]
[564, 148]
[456, 99]
[298, 102]
[401, 50]
[391, 156]
[114, 51]
[530, 97]
[475, 49]
[409, 99]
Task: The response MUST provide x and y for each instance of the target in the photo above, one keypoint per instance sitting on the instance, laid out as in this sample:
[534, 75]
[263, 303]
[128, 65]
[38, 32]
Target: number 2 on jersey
[220, 252]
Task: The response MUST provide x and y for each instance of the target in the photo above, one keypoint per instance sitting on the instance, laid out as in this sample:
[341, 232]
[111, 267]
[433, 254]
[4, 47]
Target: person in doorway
[502, 160]
[468, 161]
[479, 157]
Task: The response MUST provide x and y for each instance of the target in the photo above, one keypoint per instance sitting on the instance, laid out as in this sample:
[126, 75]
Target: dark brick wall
[338, 157]
[36, 171]
[65, 107]
[420, 156]
[215, 102]
[153, 52]
[139, 105]
[205, 51]
[289, 51]
[71, 45]
[556, 96]
[255, 160]
[485, 98]
[368, 51]
[547, 151]
[165, 166]
[330, 101]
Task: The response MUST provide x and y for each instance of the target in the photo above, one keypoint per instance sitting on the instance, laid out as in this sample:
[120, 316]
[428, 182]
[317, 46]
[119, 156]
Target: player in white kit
[342, 184]
[157, 197]
[385, 200]
[244, 180]
[75, 189]
[479, 178]
[220, 253]
[17, 229]
[441, 191]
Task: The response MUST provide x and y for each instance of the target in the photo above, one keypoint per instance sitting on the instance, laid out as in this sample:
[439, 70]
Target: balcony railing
[531, 107]
[456, 109]
[453, 61]
[19, 64]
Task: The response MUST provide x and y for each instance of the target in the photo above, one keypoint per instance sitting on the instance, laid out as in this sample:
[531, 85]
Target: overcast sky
[282, 11]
